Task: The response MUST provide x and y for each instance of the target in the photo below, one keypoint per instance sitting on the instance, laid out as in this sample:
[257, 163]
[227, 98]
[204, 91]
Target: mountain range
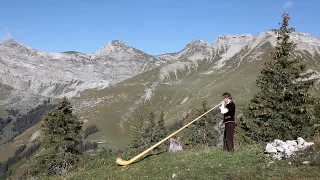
[112, 86]
[31, 74]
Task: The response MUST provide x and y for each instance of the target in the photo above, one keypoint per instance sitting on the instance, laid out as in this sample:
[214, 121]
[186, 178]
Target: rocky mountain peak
[195, 42]
[223, 42]
[114, 46]
[306, 42]
[118, 43]
[15, 45]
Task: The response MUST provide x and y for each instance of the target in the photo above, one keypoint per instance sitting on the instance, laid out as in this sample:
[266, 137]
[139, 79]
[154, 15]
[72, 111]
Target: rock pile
[280, 149]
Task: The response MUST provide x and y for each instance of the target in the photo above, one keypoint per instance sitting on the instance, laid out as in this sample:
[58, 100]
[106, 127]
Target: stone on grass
[280, 149]
[175, 145]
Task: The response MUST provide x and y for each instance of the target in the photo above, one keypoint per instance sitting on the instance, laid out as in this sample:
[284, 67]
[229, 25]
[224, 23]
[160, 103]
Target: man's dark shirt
[229, 116]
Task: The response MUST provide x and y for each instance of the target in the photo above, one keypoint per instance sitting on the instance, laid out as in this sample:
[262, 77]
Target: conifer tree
[152, 123]
[317, 116]
[147, 135]
[60, 128]
[60, 135]
[283, 108]
[137, 133]
[192, 134]
[159, 133]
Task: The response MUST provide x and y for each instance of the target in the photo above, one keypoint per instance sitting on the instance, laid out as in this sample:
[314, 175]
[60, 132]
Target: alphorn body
[122, 162]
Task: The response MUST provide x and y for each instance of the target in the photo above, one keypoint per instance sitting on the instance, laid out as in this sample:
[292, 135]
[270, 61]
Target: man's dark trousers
[228, 137]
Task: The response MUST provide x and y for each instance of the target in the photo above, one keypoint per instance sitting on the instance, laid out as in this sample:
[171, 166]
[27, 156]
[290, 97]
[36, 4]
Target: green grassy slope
[211, 163]
[8, 149]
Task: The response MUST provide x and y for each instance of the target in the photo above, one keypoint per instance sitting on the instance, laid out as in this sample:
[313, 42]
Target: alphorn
[122, 162]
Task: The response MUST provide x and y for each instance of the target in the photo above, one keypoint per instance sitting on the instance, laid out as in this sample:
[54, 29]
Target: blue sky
[154, 27]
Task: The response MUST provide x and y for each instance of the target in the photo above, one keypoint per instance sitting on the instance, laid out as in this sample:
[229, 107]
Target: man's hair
[227, 95]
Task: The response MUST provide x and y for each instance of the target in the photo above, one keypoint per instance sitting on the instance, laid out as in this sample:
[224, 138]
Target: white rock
[278, 156]
[270, 148]
[278, 142]
[279, 149]
[300, 141]
[175, 145]
[292, 143]
[289, 151]
[306, 162]
[308, 144]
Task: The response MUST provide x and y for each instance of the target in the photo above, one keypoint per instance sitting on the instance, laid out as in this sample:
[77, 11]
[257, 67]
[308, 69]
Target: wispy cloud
[5, 35]
[288, 4]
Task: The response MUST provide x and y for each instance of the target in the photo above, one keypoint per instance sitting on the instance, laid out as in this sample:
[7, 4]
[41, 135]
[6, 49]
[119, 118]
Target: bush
[53, 164]
[205, 131]
[83, 147]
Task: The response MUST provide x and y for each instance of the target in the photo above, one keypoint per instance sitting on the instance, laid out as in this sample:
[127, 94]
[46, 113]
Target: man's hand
[222, 108]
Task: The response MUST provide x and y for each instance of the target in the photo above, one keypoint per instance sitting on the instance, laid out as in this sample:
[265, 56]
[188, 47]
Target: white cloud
[5, 35]
[288, 4]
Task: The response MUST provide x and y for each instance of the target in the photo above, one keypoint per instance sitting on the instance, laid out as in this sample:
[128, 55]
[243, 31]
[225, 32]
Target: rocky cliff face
[237, 48]
[33, 73]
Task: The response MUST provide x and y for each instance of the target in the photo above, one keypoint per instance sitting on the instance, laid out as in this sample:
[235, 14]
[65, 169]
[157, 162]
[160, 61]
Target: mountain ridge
[36, 75]
[219, 36]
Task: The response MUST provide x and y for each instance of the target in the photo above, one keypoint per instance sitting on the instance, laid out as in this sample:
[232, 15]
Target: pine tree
[147, 132]
[61, 136]
[159, 133]
[283, 108]
[60, 128]
[137, 133]
[192, 134]
[150, 130]
[317, 116]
